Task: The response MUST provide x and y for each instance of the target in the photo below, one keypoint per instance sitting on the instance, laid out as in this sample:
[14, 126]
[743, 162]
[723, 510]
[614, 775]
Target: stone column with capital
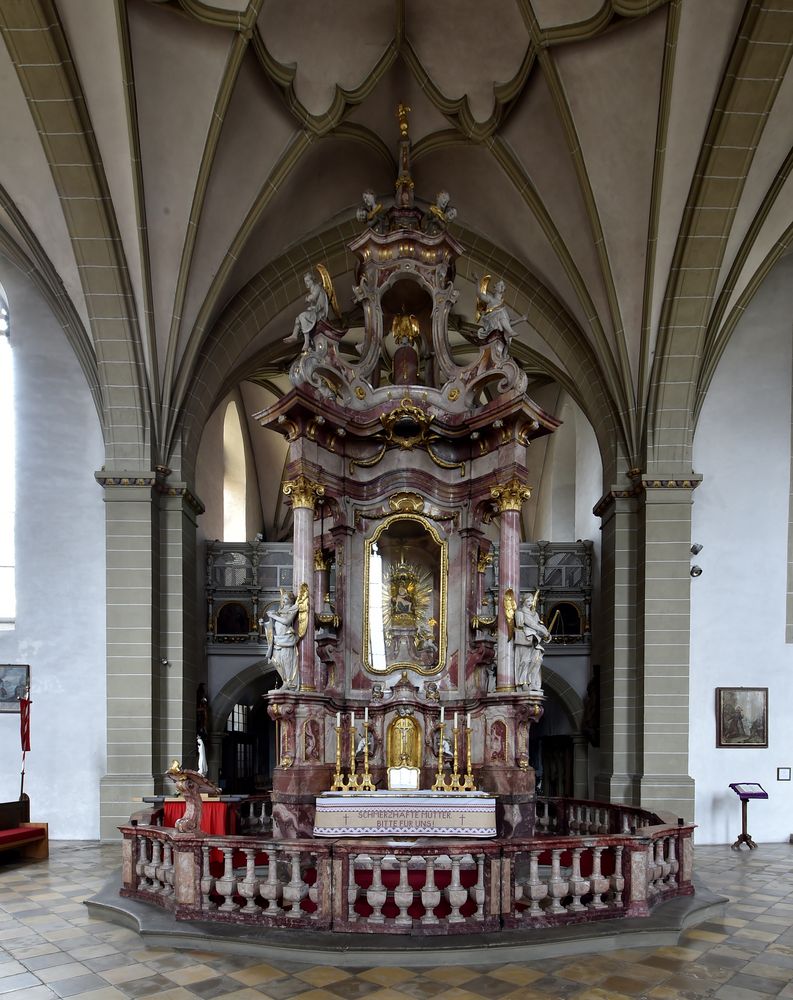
[509, 498]
[304, 493]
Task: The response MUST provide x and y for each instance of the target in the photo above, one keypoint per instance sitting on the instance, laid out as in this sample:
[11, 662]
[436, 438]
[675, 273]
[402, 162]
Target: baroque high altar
[407, 474]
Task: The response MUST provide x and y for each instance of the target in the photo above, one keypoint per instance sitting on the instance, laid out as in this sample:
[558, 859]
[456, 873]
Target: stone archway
[573, 706]
[258, 674]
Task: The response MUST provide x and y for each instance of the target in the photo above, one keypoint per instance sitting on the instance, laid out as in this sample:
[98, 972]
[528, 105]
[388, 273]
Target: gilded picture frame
[14, 684]
[741, 717]
[406, 563]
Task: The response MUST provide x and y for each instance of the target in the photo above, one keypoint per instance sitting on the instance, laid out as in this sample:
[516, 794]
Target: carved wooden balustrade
[424, 888]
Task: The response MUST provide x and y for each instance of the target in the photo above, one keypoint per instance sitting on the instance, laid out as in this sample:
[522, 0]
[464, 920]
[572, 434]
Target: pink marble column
[509, 499]
[304, 494]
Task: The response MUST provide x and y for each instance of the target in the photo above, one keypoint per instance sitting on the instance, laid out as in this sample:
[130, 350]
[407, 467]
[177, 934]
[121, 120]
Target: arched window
[7, 474]
[234, 484]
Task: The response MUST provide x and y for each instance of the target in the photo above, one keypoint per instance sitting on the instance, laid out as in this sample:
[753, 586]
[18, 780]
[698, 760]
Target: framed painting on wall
[741, 717]
[14, 684]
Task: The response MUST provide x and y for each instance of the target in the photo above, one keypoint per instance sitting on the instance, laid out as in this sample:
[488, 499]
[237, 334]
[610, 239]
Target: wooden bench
[17, 833]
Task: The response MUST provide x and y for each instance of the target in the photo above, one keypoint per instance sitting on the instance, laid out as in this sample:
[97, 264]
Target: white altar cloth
[405, 813]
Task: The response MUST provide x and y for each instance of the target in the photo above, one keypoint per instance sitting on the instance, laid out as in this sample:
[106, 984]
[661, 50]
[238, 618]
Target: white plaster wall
[60, 558]
[740, 515]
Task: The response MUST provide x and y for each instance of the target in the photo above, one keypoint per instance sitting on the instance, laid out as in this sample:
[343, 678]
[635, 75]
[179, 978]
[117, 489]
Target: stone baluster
[430, 895]
[248, 887]
[352, 888]
[376, 893]
[165, 870]
[598, 882]
[557, 886]
[207, 882]
[603, 821]
[617, 880]
[578, 886]
[653, 868]
[296, 889]
[456, 894]
[313, 889]
[226, 884]
[674, 866]
[150, 870]
[478, 890]
[143, 857]
[662, 865]
[403, 894]
[270, 889]
[537, 890]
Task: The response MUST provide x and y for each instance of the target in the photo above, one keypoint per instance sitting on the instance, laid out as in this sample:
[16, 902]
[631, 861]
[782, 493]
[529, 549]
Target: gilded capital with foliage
[510, 496]
[303, 491]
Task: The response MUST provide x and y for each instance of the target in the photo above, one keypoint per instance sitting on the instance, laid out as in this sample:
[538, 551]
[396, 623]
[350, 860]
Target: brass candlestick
[366, 783]
[338, 780]
[468, 782]
[353, 782]
[454, 782]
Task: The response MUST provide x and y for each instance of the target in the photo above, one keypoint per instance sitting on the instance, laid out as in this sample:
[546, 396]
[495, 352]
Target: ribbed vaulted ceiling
[171, 167]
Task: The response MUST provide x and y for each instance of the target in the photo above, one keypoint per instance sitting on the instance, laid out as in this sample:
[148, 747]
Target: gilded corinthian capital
[511, 495]
[303, 491]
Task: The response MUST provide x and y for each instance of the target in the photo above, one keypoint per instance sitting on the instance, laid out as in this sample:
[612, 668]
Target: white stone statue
[283, 636]
[492, 314]
[530, 634]
[316, 310]
[203, 766]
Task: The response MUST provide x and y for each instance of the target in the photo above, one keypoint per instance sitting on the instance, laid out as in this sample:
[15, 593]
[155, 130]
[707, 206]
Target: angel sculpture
[491, 313]
[190, 784]
[530, 634]
[439, 215]
[372, 213]
[320, 296]
[283, 640]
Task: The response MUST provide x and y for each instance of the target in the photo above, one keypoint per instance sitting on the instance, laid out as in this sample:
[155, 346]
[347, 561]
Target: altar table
[217, 818]
[405, 813]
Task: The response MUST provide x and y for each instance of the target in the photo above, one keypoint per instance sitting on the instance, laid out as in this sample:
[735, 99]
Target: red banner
[24, 723]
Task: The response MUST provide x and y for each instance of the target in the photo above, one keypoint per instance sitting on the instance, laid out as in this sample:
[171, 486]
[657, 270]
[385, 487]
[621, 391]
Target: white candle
[338, 720]
[366, 713]
[441, 713]
[455, 720]
[468, 720]
[352, 721]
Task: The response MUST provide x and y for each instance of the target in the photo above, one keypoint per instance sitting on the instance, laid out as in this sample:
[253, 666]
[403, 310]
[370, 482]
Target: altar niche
[404, 606]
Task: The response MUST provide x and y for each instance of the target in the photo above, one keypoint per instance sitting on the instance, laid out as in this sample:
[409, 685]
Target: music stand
[746, 790]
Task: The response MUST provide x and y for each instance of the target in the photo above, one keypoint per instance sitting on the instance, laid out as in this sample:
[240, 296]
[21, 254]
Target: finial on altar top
[402, 115]
[404, 182]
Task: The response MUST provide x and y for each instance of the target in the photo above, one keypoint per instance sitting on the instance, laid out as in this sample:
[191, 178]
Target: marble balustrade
[428, 887]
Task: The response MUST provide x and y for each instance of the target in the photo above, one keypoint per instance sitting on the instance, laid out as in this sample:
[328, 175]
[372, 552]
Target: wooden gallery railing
[429, 888]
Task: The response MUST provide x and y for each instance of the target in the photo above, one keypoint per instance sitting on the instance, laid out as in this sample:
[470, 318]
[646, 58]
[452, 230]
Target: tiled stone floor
[50, 947]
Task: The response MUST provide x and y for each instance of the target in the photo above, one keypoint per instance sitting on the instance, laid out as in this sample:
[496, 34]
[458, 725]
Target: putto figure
[530, 634]
[491, 313]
